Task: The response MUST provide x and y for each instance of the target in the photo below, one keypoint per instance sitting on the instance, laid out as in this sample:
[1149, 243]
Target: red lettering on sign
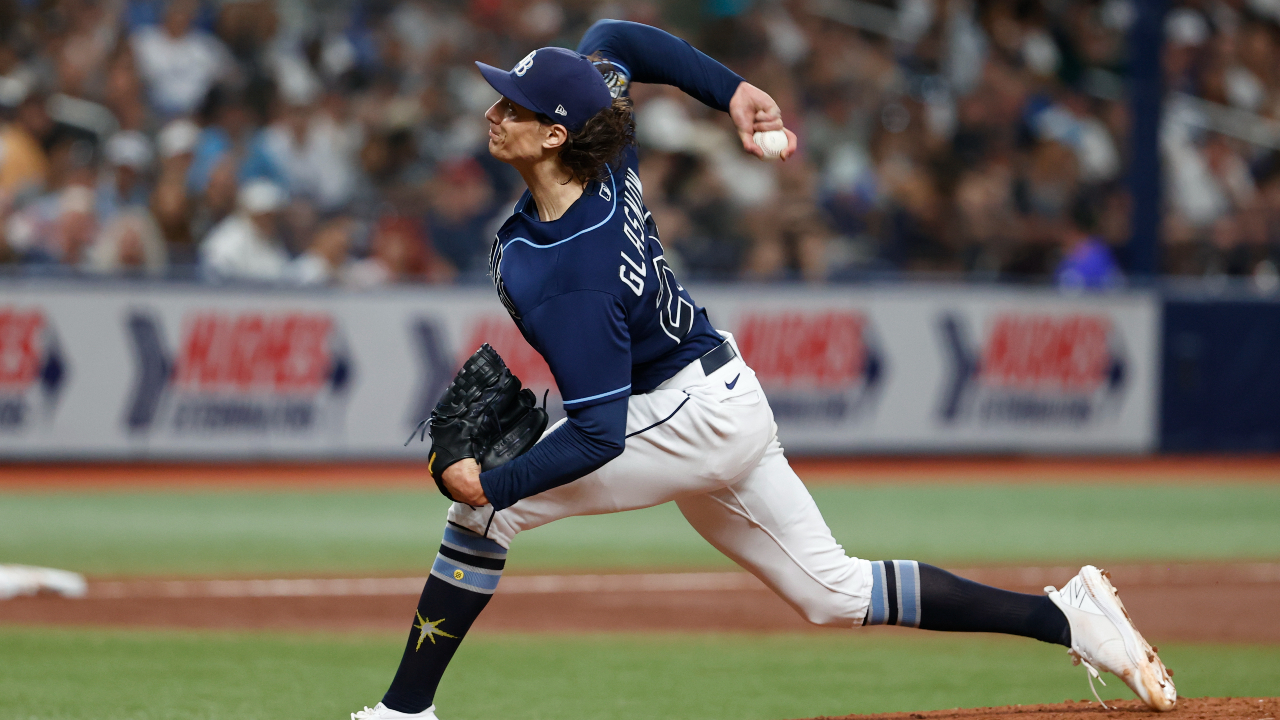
[20, 345]
[798, 349]
[1068, 352]
[286, 353]
[516, 352]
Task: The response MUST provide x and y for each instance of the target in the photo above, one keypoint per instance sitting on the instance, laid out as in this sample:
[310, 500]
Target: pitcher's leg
[914, 594]
[769, 524]
[604, 491]
[665, 457]
[678, 444]
[463, 577]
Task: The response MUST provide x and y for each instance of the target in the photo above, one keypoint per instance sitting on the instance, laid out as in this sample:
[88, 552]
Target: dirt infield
[1228, 603]
[42, 476]
[1199, 708]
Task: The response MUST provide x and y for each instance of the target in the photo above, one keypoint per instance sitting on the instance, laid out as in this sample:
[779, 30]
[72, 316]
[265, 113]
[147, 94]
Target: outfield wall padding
[1220, 380]
[176, 371]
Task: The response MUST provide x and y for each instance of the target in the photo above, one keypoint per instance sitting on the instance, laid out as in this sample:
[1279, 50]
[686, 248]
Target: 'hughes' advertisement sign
[172, 371]
[240, 372]
[816, 365]
[1041, 369]
[930, 369]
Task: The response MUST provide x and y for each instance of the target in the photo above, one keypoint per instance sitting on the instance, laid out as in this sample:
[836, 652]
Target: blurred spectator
[24, 166]
[171, 205]
[461, 202]
[246, 245]
[958, 144]
[129, 244]
[218, 199]
[313, 153]
[90, 36]
[399, 254]
[177, 141]
[789, 236]
[987, 222]
[70, 231]
[325, 261]
[1086, 262]
[695, 216]
[124, 184]
[123, 92]
[226, 136]
[179, 62]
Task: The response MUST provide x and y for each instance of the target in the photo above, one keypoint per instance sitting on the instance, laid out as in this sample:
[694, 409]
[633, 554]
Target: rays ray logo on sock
[430, 630]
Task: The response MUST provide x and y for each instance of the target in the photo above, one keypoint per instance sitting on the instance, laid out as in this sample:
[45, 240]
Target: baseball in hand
[772, 142]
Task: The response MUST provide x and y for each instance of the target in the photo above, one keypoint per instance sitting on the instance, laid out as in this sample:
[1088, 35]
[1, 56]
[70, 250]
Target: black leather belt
[717, 357]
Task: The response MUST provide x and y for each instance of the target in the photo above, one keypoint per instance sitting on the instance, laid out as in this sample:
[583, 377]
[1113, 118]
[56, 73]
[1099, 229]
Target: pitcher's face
[515, 134]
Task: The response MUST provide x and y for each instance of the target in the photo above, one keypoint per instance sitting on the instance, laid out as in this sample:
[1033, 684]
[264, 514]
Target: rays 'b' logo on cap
[523, 66]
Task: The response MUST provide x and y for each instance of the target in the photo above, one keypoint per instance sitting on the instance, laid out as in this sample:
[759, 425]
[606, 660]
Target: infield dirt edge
[1200, 708]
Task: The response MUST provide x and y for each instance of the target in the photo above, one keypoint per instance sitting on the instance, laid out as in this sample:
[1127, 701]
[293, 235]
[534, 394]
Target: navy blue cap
[561, 84]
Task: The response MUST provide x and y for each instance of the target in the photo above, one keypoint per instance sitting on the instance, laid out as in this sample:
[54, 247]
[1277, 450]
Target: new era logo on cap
[555, 82]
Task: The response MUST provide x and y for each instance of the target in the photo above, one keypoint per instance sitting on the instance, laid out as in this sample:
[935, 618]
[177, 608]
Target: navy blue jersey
[592, 292]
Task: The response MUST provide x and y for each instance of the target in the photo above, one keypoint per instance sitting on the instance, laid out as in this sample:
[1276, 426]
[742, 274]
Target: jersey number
[674, 312]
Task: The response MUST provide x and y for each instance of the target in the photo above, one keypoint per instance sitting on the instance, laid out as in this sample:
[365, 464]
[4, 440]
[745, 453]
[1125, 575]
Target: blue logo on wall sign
[437, 369]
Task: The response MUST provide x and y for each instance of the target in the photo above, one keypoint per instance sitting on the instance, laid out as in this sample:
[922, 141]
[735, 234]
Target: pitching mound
[1199, 708]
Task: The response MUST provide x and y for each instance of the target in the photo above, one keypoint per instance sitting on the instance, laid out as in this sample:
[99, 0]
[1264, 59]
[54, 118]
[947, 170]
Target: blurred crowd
[343, 142]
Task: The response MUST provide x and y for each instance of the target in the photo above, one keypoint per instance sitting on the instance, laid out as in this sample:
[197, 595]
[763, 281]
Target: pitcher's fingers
[791, 144]
[749, 144]
[765, 123]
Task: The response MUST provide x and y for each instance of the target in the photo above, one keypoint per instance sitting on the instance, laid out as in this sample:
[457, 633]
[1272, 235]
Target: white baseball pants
[709, 443]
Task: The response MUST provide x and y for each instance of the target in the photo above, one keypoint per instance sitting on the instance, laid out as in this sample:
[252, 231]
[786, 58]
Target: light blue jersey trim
[625, 70]
[597, 397]
[613, 189]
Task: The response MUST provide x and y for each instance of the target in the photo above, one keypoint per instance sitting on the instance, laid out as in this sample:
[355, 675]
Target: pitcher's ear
[556, 136]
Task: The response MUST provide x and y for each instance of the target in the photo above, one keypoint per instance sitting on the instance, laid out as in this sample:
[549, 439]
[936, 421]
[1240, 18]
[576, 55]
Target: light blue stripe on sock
[476, 579]
[879, 600]
[464, 541]
[908, 572]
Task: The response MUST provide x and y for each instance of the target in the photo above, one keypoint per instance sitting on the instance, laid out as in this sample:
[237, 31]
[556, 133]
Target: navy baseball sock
[462, 580]
[913, 594]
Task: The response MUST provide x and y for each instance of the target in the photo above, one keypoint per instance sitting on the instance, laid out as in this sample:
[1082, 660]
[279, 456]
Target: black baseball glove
[484, 414]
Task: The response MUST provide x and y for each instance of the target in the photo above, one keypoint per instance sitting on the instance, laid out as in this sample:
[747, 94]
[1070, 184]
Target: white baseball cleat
[382, 712]
[1103, 638]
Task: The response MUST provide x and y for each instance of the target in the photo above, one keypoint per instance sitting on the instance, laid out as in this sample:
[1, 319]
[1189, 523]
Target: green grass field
[114, 675]
[85, 674]
[387, 531]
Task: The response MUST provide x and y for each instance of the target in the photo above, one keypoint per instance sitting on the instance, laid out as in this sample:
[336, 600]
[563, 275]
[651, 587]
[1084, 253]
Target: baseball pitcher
[661, 406]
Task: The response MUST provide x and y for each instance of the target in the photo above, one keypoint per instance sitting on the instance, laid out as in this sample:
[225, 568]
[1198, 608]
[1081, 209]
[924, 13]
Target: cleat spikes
[1103, 639]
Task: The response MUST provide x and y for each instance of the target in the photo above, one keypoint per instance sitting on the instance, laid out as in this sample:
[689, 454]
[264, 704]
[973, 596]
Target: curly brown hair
[591, 152]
